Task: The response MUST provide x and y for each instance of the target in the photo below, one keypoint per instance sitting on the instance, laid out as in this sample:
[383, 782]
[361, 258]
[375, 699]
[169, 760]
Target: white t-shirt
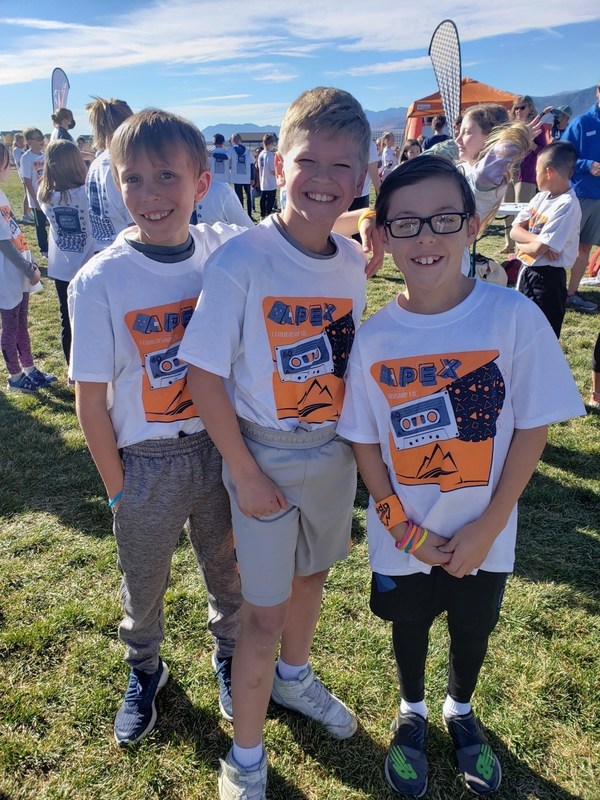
[108, 213]
[373, 159]
[17, 152]
[280, 321]
[442, 394]
[266, 171]
[555, 221]
[13, 282]
[128, 315]
[221, 204]
[240, 163]
[218, 161]
[388, 161]
[71, 242]
[32, 167]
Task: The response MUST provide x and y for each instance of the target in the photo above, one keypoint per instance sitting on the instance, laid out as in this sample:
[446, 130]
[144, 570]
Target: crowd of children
[223, 381]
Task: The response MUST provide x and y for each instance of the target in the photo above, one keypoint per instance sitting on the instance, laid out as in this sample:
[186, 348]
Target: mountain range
[393, 118]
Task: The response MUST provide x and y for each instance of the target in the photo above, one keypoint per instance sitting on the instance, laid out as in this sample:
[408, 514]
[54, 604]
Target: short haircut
[438, 121]
[219, 139]
[487, 116]
[32, 133]
[268, 139]
[416, 170]
[157, 132]
[105, 116]
[326, 109]
[561, 156]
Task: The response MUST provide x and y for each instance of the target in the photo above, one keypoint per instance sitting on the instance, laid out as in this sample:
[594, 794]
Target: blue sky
[243, 62]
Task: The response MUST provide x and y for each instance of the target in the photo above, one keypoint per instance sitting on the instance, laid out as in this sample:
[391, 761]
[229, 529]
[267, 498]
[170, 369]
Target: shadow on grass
[40, 471]
[181, 719]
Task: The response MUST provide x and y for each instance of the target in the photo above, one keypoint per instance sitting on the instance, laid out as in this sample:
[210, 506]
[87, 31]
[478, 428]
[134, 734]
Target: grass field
[61, 661]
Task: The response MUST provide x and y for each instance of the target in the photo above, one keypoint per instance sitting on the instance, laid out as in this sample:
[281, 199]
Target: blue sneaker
[406, 763]
[24, 383]
[42, 379]
[137, 715]
[222, 668]
[477, 762]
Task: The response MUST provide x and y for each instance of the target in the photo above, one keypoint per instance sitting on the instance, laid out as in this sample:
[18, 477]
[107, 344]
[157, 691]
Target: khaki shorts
[317, 473]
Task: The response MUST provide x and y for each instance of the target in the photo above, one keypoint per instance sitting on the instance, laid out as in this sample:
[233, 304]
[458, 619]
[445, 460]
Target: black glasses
[407, 227]
[520, 108]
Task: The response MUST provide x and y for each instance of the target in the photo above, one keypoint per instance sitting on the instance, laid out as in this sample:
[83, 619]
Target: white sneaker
[237, 783]
[308, 696]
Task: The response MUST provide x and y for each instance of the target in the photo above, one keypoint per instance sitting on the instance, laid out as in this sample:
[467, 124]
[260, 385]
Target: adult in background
[108, 214]
[584, 133]
[438, 124]
[523, 188]
[63, 122]
[562, 115]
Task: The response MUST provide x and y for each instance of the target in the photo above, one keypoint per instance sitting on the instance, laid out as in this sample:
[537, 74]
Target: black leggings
[65, 325]
[40, 229]
[473, 607]
[240, 188]
[267, 201]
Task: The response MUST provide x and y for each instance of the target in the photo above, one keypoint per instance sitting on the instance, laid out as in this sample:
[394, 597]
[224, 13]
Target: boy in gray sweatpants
[129, 307]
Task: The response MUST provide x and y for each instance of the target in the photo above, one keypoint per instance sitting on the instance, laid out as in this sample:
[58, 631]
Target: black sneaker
[24, 383]
[137, 715]
[42, 379]
[406, 763]
[222, 668]
[477, 762]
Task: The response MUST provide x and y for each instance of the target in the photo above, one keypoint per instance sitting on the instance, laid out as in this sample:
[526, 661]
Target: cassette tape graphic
[420, 422]
[163, 368]
[305, 360]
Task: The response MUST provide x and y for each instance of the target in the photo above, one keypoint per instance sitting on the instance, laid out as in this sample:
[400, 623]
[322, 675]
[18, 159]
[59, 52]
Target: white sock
[28, 370]
[247, 757]
[288, 672]
[415, 708]
[454, 709]
[14, 378]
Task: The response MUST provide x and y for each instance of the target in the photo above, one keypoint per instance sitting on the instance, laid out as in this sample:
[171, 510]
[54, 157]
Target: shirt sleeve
[357, 421]
[93, 342]
[560, 228]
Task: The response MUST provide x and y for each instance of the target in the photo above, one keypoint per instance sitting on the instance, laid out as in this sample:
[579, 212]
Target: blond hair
[105, 116]
[157, 132]
[326, 109]
[64, 169]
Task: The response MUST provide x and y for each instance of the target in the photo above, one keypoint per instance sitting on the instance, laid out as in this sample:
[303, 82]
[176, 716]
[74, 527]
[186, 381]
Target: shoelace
[318, 696]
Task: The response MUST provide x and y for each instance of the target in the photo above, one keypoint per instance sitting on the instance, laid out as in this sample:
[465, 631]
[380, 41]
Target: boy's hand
[551, 255]
[468, 548]
[429, 552]
[36, 277]
[371, 241]
[258, 496]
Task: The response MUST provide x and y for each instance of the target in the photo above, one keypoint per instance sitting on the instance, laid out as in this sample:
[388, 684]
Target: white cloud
[277, 76]
[386, 67]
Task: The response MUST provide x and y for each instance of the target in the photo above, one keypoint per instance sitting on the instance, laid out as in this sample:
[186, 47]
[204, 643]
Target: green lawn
[61, 661]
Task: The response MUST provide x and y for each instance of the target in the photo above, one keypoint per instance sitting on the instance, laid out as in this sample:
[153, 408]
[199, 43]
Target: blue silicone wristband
[114, 500]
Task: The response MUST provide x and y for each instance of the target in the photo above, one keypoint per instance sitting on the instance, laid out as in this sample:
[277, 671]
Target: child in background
[18, 272]
[108, 214]
[32, 167]
[483, 411]
[17, 151]
[411, 149]
[266, 174]
[294, 294]
[63, 199]
[547, 233]
[388, 154]
[129, 307]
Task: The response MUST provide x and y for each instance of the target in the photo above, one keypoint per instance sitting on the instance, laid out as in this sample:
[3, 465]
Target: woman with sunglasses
[522, 188]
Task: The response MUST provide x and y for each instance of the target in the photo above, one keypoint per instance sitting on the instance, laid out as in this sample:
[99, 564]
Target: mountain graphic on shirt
[437, 464]
[315, 397]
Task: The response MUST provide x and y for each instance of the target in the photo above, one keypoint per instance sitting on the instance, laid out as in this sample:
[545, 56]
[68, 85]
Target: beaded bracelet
[365, 215]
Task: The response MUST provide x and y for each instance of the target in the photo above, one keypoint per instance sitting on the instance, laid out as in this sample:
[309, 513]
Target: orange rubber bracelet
[390, 511]
[365, 215]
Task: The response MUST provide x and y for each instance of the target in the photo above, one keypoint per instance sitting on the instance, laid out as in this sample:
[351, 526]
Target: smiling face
[470, 140]
[160, 196]
[431, 262]
[322, 174]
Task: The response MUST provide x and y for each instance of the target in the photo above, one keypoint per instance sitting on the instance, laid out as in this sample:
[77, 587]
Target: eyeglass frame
[422, 220]
[520, 108]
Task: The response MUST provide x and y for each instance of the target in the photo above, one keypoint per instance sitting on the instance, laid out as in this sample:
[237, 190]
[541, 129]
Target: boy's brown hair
[32, 133]
[157, 132]
[105, 116]
[64, 169]
[326, 109]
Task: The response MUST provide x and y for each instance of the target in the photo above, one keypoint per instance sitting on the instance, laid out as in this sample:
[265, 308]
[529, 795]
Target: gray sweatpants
[170, 483]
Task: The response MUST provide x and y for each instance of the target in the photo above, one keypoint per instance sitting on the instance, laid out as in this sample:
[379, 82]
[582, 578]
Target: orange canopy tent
[473, 92]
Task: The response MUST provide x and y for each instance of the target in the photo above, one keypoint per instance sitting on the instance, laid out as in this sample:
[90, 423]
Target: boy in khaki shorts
[294, 294]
